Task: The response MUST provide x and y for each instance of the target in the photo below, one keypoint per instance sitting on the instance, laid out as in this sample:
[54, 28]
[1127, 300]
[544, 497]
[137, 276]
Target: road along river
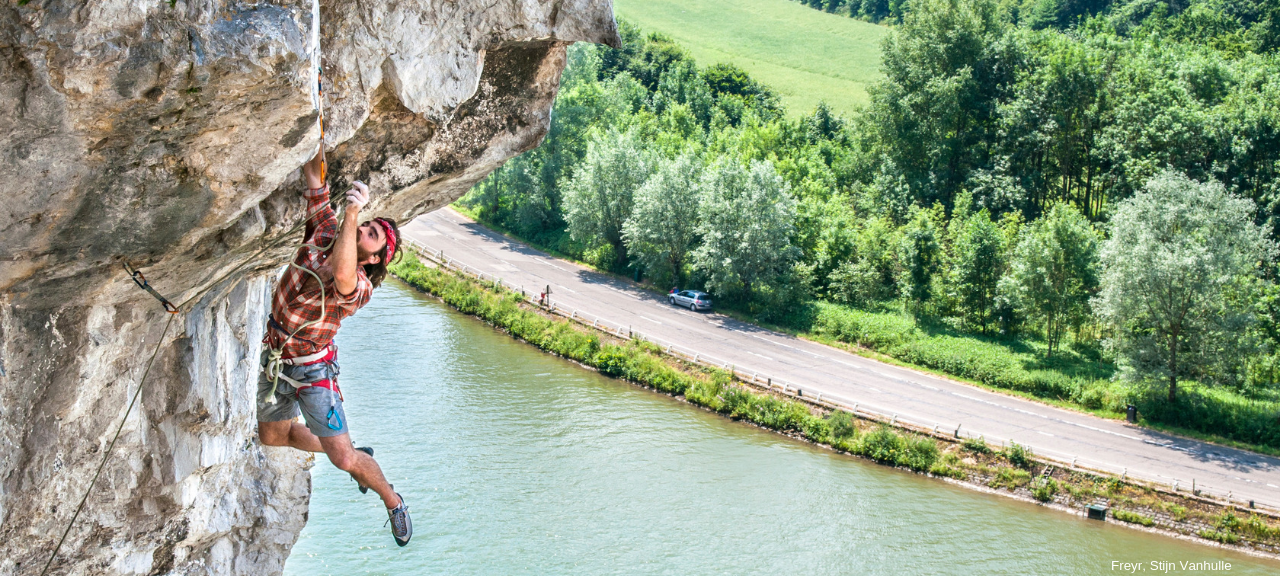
[517, 462]
[922, 398]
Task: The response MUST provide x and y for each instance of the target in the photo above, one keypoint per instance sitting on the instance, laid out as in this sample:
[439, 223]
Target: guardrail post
[935, 427]
[695, 357]
[958, 431]
[893, 420]
[668, 348]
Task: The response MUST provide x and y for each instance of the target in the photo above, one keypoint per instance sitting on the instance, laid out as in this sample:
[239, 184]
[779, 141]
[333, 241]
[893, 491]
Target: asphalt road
[919, 397]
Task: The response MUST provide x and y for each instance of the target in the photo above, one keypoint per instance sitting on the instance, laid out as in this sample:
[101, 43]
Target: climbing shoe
[367, 450]
[401, 526]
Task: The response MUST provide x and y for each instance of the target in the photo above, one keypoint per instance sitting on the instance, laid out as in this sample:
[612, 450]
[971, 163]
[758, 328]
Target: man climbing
[332, 276]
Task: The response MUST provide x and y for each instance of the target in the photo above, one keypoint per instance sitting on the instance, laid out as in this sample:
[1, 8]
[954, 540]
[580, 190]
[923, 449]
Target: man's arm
[311, 170]
[344, 257]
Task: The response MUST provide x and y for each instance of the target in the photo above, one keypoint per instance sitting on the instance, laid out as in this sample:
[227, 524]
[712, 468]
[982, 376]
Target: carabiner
[141, 281]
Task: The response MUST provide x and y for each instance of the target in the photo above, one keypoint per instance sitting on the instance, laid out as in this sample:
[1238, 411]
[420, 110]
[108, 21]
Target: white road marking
[760, 355]
[1046, 433]
[643, 317]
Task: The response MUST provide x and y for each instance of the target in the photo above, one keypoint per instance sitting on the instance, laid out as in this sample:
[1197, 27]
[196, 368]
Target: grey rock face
[169, 137]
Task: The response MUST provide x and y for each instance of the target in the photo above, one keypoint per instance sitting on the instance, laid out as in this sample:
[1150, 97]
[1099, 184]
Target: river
[517, 462]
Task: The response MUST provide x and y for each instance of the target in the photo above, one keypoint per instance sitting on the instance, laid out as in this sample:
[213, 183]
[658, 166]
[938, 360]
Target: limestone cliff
[168, 135]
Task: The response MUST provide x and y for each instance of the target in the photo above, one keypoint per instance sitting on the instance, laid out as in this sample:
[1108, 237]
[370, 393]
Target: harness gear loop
[142, 283]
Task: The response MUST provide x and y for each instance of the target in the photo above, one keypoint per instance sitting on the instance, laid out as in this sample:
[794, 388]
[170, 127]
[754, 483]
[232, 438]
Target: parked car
[691, 299]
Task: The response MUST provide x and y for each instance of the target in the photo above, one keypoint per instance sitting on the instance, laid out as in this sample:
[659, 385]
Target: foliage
[978, 263]
[662, 228]
[1054, 271]
[1132, 517]
[1219, 536]
[1177, 269]
[1018, 455]
[599, 197]
[920, 255]
[748, 218]
[976, 445]
[1043, 489]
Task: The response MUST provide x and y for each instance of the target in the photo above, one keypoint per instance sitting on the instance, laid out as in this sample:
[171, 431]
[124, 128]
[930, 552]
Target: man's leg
[360, 465]
[288, 433]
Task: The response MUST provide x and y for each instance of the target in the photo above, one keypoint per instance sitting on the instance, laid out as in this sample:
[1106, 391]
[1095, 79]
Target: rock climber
[299, 362]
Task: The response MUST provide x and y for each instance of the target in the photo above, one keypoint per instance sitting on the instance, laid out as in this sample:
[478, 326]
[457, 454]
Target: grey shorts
[321, 408]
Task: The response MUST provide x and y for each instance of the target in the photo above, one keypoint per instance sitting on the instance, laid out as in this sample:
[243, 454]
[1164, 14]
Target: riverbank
[1011, 470]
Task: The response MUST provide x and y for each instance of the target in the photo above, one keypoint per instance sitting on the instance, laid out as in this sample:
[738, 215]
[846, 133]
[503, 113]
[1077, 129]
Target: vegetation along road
[919, 397]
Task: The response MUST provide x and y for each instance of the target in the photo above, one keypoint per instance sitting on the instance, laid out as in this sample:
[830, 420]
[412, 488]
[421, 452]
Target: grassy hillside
[805, 55]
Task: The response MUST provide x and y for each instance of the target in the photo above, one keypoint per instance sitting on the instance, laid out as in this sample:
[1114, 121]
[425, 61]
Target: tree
[919, 253]
[598, 198]
[977, 266]
[1054, 271]
[1179, 256]
[748, 219]
[662, 229]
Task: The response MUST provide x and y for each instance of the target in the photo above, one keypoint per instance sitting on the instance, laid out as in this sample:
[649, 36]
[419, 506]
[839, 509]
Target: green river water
[517, 462]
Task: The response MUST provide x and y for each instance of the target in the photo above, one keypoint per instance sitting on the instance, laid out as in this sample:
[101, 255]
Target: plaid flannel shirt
[297, 296]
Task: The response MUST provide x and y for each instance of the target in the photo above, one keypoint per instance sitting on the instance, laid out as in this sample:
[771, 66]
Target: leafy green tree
[920, 255]
[663, 227]
[934, 115]
[1180, 255]
[1054, 271]
[977, 264]
[748, 220]
[598, 199]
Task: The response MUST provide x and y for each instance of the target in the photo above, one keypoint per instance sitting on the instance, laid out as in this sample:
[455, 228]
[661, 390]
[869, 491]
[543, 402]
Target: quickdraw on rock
[141, 281]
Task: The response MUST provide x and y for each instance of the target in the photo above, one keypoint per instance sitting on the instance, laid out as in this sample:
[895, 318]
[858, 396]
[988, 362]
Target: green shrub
[1018, 455]
[1259, 528]
[1178, 512]
[843, 425]
[1228, 522]
[706, 393]
[735, 402]
[1219, 536]
[940, 469]
[882, 445]
[1010, 478]
[920, 454]
[816, 430]
[976, 445]
[1044, 489]
[1132, 517]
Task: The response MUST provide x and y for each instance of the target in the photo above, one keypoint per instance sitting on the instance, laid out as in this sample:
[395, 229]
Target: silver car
[691, 299]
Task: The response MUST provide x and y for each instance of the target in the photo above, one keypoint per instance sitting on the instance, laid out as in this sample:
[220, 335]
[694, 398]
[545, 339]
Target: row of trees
[1004, 180]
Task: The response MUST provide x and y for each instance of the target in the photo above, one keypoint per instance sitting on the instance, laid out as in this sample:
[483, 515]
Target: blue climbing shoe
[401, 526]
[367, 450]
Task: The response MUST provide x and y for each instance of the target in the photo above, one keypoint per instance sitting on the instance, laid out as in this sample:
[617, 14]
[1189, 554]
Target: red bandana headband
[392, 240]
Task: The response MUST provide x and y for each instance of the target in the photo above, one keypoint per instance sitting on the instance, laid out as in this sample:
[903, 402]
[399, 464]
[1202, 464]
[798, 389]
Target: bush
[882, 445]
[920, 454]
[976, 445]
[1044, 489]
[1018, 455]
[1132, 517]
[843, 427]
[1259, 528]
[1219, 536]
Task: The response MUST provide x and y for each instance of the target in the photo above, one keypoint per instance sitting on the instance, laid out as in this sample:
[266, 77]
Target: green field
[803, 54]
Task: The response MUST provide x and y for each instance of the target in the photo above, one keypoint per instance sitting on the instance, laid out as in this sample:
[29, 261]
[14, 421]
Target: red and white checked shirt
[297, 297]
